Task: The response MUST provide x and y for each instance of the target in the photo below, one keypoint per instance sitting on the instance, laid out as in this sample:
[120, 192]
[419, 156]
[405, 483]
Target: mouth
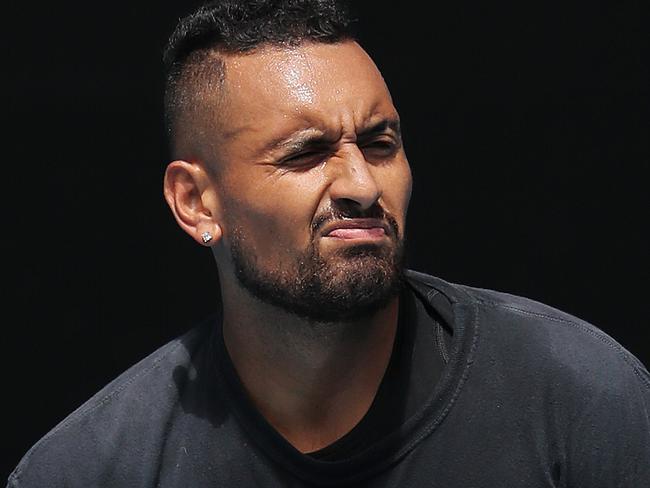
[356, 229]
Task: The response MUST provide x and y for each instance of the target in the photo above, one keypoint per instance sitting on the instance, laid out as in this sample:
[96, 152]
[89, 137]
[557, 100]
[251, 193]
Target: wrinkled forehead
[312, 79]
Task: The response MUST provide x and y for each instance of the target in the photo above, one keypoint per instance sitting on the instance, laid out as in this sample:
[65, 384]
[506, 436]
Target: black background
[526, 125]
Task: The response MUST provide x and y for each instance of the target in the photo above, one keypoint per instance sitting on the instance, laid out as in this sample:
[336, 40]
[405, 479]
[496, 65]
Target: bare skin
[266, 174]
[312, 388]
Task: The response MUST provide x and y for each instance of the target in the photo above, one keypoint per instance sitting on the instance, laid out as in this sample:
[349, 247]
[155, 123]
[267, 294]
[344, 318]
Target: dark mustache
[374, 212]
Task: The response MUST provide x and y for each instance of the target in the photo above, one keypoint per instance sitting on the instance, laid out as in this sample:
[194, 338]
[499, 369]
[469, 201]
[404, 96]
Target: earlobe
[210, 238]
[190, 194]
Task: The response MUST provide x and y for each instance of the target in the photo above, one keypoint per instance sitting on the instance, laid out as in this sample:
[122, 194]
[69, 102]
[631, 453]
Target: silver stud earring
[206, 237]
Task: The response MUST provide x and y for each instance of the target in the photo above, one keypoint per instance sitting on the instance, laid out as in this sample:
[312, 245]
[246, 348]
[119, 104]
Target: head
[287, 150]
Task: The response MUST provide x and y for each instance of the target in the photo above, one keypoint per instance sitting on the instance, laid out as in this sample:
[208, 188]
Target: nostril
[350, 208]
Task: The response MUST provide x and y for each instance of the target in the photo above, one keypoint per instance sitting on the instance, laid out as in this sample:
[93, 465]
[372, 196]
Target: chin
[355, 287]
[350, 283]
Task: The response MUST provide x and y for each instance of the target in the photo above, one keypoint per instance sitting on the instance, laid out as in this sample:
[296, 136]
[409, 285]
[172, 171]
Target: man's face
[313, 180]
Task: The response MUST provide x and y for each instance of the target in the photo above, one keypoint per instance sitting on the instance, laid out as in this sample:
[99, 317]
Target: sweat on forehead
[192, 54]
[309, 90]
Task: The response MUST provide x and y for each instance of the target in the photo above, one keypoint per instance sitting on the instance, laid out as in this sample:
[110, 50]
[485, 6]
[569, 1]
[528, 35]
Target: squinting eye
[380, 147]
[305, 159]
[297, 157]
[381, 144]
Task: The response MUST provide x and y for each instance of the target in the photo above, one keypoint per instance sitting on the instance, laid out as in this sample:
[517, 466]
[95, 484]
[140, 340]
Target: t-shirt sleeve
[609, 440]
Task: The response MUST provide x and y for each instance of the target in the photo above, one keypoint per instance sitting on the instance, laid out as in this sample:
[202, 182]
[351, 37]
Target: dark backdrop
[526, 124]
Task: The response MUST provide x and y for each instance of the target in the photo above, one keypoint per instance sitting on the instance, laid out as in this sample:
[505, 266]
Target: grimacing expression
[314, 183]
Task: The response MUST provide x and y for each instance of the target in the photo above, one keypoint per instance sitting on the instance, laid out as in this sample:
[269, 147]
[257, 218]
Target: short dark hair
[192, 55]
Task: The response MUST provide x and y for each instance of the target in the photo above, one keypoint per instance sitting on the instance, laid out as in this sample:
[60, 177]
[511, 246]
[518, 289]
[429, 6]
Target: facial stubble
[350, 283]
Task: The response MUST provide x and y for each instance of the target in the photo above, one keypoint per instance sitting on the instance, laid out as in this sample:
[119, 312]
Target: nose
[353, 182]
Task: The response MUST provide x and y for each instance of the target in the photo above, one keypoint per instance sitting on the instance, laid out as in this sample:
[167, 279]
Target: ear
[192, 197]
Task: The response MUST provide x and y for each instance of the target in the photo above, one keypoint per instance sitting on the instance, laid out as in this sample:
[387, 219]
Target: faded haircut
[193, 58]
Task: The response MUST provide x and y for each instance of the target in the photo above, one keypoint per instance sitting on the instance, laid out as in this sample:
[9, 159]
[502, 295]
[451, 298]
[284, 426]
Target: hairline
[199, 85]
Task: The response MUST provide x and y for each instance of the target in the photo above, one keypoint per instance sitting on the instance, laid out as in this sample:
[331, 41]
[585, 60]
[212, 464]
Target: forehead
[328, 87]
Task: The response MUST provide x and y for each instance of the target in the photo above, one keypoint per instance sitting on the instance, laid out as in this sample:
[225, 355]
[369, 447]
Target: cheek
[408, 185]
[275, 215]
[397, 189]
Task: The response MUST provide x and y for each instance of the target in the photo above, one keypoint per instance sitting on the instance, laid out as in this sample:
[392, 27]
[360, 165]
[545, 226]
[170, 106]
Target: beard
[350, 284]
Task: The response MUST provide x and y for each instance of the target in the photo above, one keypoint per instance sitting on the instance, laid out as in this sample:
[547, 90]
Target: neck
[312, 382]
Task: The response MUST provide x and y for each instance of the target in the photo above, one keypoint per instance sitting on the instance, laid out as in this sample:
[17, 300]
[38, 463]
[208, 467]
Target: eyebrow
[381, 127]
[312, 137]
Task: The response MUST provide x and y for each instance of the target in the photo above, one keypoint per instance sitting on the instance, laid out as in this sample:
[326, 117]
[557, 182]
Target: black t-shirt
[419, 354]
[484, 389]
[416, 363]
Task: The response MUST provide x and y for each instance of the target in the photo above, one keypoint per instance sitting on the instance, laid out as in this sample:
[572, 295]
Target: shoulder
[126, 412]
[539, 337]
[569, 340]
[559, 379]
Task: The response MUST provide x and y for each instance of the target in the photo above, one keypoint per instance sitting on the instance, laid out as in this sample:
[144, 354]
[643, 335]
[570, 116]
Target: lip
[354, 224]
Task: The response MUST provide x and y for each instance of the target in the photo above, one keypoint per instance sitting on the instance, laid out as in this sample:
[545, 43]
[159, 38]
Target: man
[327, 364]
